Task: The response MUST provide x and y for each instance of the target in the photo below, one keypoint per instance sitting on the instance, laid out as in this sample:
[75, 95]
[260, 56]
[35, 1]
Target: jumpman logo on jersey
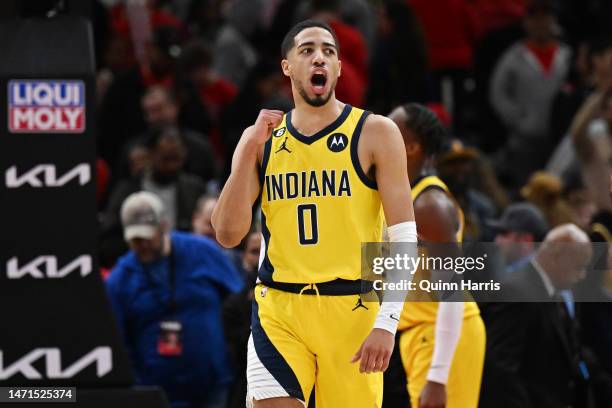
[360, 304]
[283, 146]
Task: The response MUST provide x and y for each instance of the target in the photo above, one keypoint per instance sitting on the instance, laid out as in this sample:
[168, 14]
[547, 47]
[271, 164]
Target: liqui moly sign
[46, 106]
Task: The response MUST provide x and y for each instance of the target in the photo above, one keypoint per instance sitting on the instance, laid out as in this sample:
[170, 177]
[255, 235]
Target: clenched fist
[262, 129]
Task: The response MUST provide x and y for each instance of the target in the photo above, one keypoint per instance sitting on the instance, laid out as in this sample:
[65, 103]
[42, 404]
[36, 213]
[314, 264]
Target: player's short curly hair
[426, 127]
[289, 40]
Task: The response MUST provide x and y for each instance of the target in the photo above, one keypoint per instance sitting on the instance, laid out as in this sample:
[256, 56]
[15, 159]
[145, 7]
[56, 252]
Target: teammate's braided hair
[426, 127]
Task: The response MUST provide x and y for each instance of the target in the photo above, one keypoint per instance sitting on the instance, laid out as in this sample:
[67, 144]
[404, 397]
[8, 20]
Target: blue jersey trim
[266, 269]
[264, 162]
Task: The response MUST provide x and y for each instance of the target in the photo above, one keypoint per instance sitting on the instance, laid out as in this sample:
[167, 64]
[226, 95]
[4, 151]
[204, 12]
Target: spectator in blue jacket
[166, 293]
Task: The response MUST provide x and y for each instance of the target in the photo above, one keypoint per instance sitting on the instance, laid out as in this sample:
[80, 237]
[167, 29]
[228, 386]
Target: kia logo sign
[46, 266]
[54, 369]
[46, 175]
[46, 106]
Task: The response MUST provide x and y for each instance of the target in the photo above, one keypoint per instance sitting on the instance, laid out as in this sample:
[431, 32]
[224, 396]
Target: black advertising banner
[55, 322]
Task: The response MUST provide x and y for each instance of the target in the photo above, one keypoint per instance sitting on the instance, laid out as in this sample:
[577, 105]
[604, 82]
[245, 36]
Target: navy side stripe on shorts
[272, 359]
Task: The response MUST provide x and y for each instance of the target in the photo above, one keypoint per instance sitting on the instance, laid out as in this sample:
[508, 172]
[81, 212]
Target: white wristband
[389, 312]
[403, 232]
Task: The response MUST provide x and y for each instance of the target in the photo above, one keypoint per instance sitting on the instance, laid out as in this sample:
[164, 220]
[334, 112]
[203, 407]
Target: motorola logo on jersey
[39, 106]
[54, 365]
[279, 132]
[46, 175]
[337, 142]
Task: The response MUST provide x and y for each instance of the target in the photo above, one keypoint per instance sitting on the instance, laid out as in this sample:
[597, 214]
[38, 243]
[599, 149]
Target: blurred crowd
[523, 86]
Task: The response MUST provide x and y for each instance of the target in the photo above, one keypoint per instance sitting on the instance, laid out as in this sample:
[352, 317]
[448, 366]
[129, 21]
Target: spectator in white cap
[145, 226]
[166, 293]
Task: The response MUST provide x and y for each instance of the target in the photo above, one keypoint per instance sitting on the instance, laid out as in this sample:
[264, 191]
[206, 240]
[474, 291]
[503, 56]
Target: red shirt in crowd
[449, 30]
[495, 14]
[545, 54]
[102, 179]
[217, 95]
[354, 55]
[120, 23]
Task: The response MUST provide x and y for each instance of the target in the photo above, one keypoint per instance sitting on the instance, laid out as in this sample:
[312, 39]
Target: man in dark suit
[534, 354]
[179, 192]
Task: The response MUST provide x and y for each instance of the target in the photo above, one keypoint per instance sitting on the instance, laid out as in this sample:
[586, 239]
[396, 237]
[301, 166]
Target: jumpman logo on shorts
[283, 146]
[359, 304]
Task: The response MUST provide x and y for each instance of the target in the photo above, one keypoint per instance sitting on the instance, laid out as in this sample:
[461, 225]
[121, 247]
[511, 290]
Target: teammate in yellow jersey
[325, 172]
[442, 345]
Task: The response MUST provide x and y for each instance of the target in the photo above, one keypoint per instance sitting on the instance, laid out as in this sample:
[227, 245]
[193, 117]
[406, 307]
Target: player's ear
[339, 68]
[285, 67]
[412, 148]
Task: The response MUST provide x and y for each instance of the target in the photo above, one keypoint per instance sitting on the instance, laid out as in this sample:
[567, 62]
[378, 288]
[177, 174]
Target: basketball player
[442, 345]
[322, 172]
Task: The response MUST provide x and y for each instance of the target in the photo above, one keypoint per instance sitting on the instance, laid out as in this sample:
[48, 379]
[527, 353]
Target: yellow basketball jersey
[317, 204]
[425, 312]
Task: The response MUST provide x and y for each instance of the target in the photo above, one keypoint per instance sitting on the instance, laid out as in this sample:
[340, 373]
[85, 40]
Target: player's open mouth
[318, 82]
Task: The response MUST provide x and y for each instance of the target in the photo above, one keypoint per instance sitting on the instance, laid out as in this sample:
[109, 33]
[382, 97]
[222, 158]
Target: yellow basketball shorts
[303, 341]
[463, 387]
